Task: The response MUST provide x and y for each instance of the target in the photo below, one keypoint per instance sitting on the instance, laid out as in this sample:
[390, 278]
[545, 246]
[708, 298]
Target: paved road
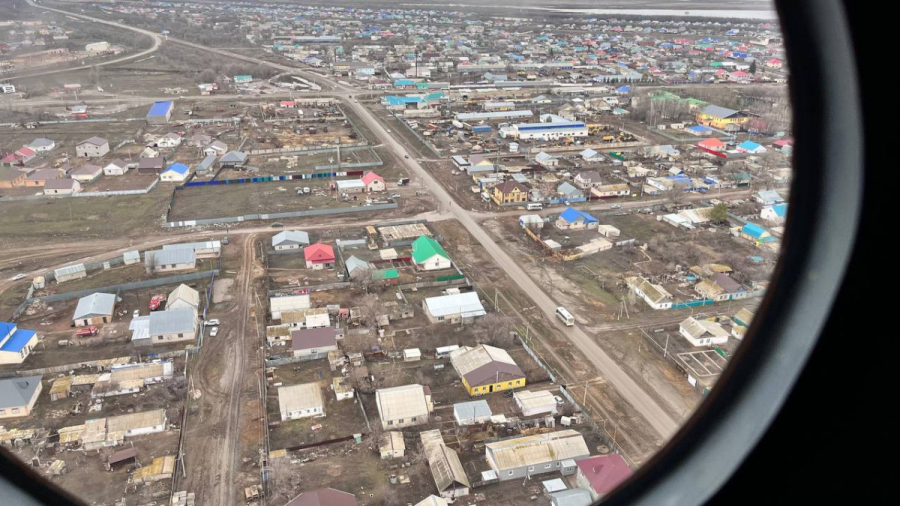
[627, 387]
[157, 40]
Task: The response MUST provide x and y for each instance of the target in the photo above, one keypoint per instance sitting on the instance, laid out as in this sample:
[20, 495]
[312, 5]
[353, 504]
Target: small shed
[121, 458]
[412, 355]
[131, 257]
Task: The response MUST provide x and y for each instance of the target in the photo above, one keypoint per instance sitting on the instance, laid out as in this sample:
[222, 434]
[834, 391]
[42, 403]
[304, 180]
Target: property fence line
[108, 193]
[307, 150]
[274, 362]
[427, 144]
[91, 363]
[136, 285]
[294, 214]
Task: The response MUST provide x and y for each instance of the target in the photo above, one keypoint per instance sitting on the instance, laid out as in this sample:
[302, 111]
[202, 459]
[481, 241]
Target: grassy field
[84, 218]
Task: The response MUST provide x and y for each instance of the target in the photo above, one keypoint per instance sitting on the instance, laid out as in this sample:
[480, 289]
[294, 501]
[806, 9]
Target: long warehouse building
[551, 127]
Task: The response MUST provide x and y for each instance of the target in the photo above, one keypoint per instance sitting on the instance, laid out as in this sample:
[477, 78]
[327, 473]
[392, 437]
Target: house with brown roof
[510, 192]
[40, 177]
[152, 165]
[11, 178]
[86, 173]
[61, 187]
[306, 342]
[485, 369]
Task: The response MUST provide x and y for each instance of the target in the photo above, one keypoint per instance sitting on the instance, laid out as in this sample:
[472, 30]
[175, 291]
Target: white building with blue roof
[472, 412]
[15, 343]
[176, 172]
[573, 219]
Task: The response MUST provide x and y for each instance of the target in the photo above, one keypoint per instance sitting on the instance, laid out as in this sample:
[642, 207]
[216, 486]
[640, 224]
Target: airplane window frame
[820, 237]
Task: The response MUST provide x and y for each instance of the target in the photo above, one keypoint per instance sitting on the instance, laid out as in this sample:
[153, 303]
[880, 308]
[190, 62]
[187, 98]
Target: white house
[18, 395]
[654, 295]
[277, 305]
[290, 239]
[15, 343]
[703, 332]
[300, 401]
[454, 308]
[95, 147]
[117, 167]
[535, 403]
[170, 140]
[176, 172]
[403, 406]
[428, 255]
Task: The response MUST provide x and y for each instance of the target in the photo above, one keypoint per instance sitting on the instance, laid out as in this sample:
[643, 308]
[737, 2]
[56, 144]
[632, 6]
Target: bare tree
[150, 262]
[364, 279]
[675, 194]
[492, 329]
[372, 309]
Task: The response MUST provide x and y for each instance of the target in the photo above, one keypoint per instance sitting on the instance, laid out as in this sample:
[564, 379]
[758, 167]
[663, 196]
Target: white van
[565, 316]
[534, 206]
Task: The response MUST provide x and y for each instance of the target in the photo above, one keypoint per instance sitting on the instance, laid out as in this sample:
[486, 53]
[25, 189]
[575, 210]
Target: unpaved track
[219, 373]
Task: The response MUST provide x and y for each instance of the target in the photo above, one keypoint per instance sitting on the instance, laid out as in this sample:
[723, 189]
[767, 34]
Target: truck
[87, 331]
[403, 181]
[157, 302]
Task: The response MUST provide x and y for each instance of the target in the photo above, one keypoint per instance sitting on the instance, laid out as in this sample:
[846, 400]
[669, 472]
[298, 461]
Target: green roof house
[428, 255]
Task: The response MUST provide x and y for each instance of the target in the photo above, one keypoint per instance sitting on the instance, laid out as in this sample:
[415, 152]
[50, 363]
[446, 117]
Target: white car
[212, 323]
[214, 332]
[17, 277]
[559, 400]
[137, 312]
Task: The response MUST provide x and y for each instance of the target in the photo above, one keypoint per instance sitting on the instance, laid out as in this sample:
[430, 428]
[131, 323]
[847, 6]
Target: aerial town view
[339, 253]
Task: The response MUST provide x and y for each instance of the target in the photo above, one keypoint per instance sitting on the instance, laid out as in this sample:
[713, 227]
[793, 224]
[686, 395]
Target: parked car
[405, 156]
[277, 225]
[17, 277]
[214, 332]
[616, 206]
[212, 323]
[559, 400]
[137, 312]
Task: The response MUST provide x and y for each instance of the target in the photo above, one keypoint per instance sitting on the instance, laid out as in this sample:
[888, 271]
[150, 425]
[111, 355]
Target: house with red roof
[774, 63]
[25, 154]
[319, 256]
[373, 182]
[712, 144]
[601, 474]
[740, 77]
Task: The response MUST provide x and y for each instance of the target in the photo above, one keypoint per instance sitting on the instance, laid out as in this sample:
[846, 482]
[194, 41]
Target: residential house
[775, 214]
[429, 255]
[712, 144]
[279, 305]
[300, 401]
[510, 192]
[702, 332]
[722, 117]
[184, 297]
[168, 260]
[176, 172]
[601, 474]
[319, 256]
[314, 342]
[567, 191]
[164, 327]
[18, 395]
[151, 165]
[573, 219]
[15, 343]
[11, 178]
[546, 160]
[357, 267]
[205, 164]
[485, 369]
[201, 141]
[403, 406]
[61, 187]
[290, 239]
[654, 295]
[605, 191]
[40, 177]
[215, 148]
[446, 468]
[749, 146]
[531, 221]
[350, 186]
[323, 497]
[535, 403]
[86, 173]
[571, 497]
[524, 457]
[758, 235]
[585, 180]
[373, 182]
[94, 309]
[24, 155]
[202, 249]
[95, 147]
[42, 145]
[233, 159]
[472, 412]
[117, 167]
[768, 197]
[453, 308]
[170, 140]
[589, 155]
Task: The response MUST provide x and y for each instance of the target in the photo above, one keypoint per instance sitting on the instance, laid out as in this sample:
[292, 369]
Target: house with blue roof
[774, 214]
[573, 219]
[15, 343]
[176, 172]
[768, 197]
[756, 234]
[749, 146]
[396, 103]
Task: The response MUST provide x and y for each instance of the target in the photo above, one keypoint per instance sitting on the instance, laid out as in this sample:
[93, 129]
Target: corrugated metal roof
[443, 461]
[71, 269]
[289, 303]
[95, 304]
[467, 304]
[401, 402]
[171, 256]
[174, 321]
[17, 392]
[134, 421]
[297, 397]
[471, 412]
[530, 401]
[288, 237]
[538, 449]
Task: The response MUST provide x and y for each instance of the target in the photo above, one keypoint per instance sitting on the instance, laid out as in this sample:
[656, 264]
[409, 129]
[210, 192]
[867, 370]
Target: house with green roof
[428, 255]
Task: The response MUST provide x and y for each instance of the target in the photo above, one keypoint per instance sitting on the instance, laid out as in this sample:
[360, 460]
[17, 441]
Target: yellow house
[485, 369]
[510, 192]
[722, 117]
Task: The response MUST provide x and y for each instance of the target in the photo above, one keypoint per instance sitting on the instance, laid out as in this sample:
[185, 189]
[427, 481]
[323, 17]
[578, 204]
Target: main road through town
[655, 415]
